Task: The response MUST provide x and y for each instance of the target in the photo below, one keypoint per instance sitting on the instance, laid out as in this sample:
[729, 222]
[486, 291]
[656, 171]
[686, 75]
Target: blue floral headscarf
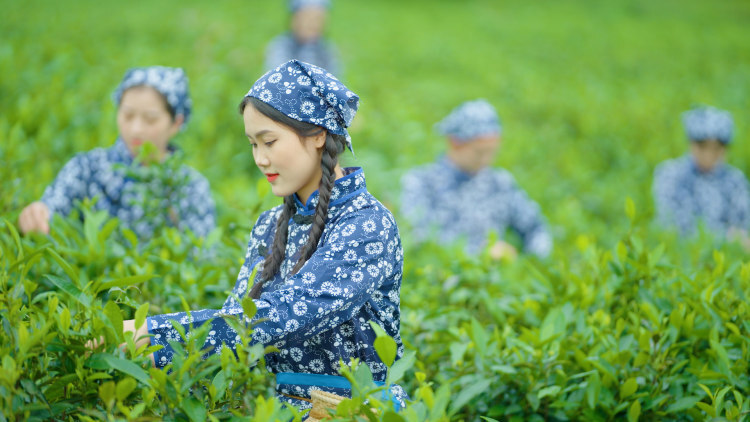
[470, 120]
[310, 94]
[708, 123]
[295, 5]
[171, 82]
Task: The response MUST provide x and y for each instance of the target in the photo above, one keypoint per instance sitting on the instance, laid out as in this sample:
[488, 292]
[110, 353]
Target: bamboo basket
[321, 402]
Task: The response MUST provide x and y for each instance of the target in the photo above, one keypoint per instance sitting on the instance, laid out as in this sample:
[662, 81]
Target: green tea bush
[623, 321]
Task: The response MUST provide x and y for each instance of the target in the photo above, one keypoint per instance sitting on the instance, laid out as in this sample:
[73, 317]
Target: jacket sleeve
[196, 206]
[527, 220]
[357, 255]
[415, 205]
[69, 185]
[672, 201]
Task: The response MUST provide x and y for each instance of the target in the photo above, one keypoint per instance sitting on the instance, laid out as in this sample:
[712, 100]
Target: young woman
[460, 197]
[305, 41]
[328, 260]
[153, 104]
[700, 186]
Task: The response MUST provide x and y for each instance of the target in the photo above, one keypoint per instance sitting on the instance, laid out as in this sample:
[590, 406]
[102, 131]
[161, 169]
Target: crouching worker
[461, 198]
[700, 187]
[153, 105]
[328, 260]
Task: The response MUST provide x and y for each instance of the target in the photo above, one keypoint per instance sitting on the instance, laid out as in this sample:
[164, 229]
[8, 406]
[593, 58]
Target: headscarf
[310, 94]
[470, 120]
[171, 82]
[295, 5]
[703, 123]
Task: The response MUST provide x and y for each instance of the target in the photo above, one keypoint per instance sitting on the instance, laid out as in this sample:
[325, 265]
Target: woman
[700, 187]
[328, 260]
[153, 105]
[460, 197]
[305, 41]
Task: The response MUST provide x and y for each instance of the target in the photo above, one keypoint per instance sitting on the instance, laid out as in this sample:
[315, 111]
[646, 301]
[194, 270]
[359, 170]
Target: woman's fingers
[35, 217]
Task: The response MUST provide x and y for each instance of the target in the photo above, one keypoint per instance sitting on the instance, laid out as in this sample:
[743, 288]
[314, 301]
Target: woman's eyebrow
[257, 134]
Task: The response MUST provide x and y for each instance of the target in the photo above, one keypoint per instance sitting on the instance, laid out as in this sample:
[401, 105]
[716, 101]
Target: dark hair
[163, 97]
[333, 147]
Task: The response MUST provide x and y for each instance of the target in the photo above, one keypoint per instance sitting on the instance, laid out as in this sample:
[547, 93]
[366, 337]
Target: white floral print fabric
[441, 201]
[101, 173]
[171, 82]
[704, 123]
[470, 120]
[320, 314]
[684, 196]
[310, 94]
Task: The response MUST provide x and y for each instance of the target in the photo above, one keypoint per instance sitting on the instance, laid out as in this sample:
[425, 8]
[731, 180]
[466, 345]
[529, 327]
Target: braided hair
[334, 145]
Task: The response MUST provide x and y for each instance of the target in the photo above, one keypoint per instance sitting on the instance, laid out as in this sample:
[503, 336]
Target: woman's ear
[320, 139]
[177, 124]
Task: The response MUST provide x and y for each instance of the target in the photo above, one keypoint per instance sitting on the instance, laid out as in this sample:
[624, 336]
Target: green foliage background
[589, 94]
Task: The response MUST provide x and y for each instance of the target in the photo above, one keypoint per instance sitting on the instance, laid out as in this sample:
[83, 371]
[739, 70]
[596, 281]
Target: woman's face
[475, 154]
[291, 164]
[143, 117]
[308, 23]
[708, 153]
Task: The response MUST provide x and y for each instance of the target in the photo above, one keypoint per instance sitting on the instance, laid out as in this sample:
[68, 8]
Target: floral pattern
[303, 92]
[684, 196]
[171, 82]
[102, 173]
[440, 200]
[320, 314]
[704, 123]
[470, 120]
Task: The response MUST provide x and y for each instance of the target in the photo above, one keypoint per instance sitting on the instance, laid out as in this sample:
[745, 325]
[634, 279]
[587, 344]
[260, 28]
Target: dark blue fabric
[308, 93]
[320, 315]
[102, 173]
[441, 201]
[685, 196]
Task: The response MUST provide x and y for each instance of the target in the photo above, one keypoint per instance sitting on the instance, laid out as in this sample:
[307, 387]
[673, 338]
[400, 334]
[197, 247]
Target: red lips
[271, 176]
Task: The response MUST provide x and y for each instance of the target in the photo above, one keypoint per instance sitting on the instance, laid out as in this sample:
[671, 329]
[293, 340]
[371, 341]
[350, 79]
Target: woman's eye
[269, 143]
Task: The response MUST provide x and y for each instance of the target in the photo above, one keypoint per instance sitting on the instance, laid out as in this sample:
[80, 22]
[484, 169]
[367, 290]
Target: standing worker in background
[305, 41]
[153, 105]
[700, 186]
[461, 197]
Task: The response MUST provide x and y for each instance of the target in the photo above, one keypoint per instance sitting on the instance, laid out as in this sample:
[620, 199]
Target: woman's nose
[261, 159]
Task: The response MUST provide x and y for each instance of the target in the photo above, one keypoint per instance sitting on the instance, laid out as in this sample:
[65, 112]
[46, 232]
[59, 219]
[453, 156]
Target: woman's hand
[35, 217]
[140, 335]
[502, 250]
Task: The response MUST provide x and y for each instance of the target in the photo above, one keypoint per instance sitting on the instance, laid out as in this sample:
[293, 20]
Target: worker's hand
[35, 217]
[739, 235]
[502, 250]
[140, 335]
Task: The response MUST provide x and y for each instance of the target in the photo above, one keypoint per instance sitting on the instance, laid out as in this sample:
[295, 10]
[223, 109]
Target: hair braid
[328, 163]
[277, 251]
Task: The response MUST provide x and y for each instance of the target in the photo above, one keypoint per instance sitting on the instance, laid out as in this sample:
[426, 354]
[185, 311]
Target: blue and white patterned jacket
[102, 173]
[320, 314]
[441, 200]
[684, 195]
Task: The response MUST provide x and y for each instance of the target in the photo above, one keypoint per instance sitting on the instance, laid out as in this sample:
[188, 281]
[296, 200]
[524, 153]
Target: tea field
[624, 321]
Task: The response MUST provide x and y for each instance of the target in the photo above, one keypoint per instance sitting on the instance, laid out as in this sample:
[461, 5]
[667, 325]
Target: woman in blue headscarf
[701, 186]
[305, 40]
[461, 198]
[153, 105]
[327, 261]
